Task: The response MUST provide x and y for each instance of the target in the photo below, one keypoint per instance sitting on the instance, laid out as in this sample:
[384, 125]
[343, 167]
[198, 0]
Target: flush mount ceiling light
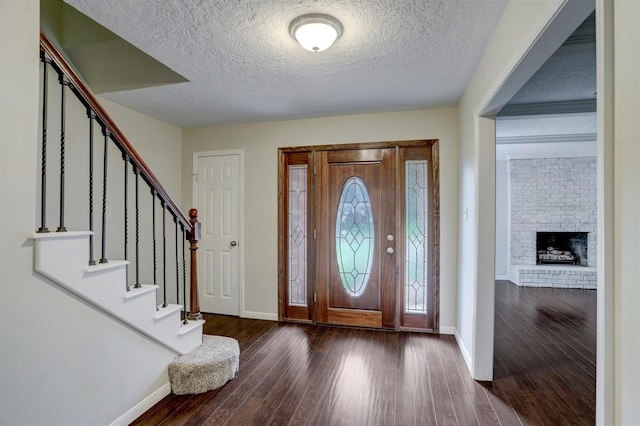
[316, 31]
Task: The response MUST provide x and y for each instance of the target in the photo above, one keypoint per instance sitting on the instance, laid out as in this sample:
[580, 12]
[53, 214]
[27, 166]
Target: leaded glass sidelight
[298, 235]
[416, 270]
[354, 236]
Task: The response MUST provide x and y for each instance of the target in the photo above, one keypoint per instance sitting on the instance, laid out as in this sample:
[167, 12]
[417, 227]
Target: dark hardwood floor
[303, 374]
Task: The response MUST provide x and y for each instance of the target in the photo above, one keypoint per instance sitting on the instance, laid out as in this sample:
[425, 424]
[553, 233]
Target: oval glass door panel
[354, 236]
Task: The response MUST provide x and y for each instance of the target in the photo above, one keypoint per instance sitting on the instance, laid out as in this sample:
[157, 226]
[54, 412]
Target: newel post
[194, 237]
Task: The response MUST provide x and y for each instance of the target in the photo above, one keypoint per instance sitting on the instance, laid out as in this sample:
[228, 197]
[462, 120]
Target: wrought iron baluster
[164, 254]
[153, 231]
[175, 221]
[184, 277]
[43, 167]
[107, 134]
[136, 172]
[92, 117]
[63, 84]
[125, 157]
[153, 225]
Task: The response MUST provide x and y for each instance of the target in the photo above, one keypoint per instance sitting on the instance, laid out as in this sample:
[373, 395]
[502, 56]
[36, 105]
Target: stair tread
[66, 234]
[166, 311]
[111, 264]
[207, 367]
[136, 292]
[192, 325]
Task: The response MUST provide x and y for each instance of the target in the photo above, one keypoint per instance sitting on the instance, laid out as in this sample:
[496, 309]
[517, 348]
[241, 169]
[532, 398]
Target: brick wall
[551, 194]
[573, 277]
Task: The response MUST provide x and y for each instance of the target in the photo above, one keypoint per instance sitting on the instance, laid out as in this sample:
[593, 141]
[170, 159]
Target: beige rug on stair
[207, 367]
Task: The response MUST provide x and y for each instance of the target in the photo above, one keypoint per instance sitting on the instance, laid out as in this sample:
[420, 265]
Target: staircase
[147, 290]
[63, 258]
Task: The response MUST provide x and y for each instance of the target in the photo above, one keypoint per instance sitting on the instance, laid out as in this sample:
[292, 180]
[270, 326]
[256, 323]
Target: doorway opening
[546, 226]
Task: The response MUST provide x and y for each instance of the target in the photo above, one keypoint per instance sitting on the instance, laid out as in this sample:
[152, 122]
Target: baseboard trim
[143, 406]
[464, 351]
[502, 277]
[447, 329]
[260, 315]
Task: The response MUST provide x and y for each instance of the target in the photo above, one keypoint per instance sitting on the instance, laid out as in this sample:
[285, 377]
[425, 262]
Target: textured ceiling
[569, 75]
[243, 66]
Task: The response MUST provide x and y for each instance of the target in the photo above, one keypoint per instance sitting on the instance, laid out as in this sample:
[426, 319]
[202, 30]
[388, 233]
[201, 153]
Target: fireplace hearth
[561, 248]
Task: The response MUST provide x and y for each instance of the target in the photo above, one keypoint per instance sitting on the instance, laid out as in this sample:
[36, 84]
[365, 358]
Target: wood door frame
[309, 315]
[194, 199]
[301, 156]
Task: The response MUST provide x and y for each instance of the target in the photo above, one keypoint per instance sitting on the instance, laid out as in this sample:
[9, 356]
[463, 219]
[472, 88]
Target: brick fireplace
[553, 222]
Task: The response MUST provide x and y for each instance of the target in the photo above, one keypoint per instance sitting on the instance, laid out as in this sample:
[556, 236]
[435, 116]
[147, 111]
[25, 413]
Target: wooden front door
[358, 229]
[356, 241]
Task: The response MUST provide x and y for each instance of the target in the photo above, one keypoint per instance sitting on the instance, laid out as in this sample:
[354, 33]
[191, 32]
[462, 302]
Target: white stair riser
[191, 340]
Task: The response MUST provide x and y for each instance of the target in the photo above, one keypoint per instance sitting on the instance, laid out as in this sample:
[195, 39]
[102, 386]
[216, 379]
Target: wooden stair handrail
[90, 101]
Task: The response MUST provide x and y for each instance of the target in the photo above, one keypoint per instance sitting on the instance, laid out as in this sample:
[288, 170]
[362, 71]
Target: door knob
[390, 250]
[233, 243]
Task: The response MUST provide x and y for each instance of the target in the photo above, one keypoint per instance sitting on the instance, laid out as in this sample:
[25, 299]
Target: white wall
[62, 362]
[626, 186]
[605, 356]
[526, 36]
[260, 142]
[158, 143]
[502, 220]
[516, 29]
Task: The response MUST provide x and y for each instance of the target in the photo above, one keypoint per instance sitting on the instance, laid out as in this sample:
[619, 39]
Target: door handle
[390, 250]
[233, 243]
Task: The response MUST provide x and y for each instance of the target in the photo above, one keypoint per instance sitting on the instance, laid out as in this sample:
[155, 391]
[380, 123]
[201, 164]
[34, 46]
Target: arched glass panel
[354, 236]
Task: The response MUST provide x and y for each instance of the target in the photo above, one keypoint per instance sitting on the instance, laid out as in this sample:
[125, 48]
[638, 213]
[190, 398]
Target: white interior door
[217, 191]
